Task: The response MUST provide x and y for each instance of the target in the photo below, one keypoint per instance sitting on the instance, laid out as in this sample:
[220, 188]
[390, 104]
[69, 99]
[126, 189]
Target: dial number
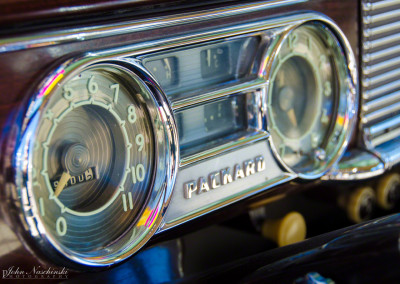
[115, 87]
[131, 114]
[140, 141]
[125, 202]
[92, 86]
[61, 226]
[138, 173]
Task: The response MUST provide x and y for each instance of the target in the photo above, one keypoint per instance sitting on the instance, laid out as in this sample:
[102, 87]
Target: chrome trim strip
[381, 102]
[376, 31]
[374, 68]
[379, 5]
[356, 164]
[393, 133]
[230, 146]
[217, 205]
[99, 31]
[386, 124]
[375, 80]
[376, 92]
[390, 153]
[380, 113]
[250, 29]
[192, 101]
[381, 42]
[381, 54]
[382, 17]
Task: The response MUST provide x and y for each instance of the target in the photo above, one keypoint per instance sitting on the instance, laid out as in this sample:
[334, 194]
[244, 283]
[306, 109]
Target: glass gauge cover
[92, 164]
[309, 98]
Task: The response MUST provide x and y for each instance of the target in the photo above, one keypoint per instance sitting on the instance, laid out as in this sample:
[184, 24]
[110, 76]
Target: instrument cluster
[117, 146]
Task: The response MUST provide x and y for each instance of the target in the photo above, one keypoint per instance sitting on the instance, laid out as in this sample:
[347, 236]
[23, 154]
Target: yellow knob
[360, 204]
[288, 230]
[387, 191]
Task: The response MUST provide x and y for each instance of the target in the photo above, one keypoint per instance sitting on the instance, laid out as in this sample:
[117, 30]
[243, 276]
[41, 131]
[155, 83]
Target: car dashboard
[181, 141]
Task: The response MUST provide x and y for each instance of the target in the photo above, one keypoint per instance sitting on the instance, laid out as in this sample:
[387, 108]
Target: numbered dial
[92, 160]
[303, 99]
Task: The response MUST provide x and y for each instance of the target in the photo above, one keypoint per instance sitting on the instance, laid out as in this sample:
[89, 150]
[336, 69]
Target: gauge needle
[292, 116]
[62, 183]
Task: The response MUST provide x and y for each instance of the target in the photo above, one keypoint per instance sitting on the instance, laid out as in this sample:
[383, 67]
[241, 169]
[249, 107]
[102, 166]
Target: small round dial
[94, 180]
[306, 97]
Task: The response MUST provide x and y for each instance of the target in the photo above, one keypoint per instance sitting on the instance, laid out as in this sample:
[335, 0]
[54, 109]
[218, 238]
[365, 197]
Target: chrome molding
[59, 37]
[202, 202]
[348, 85]
[355, 165]
[194, 100]
[236, 143]
[380, 114]
[165, 169]
[256, 141]
[371, 6]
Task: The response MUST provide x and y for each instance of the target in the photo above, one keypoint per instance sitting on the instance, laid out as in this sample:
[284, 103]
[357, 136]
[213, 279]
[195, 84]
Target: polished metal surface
[163, 179]
[194, 100]
[242, 150]
[235, 143]
[347, 96]
[54, 38]
[380, 74]
[195, 170]
[374, 6]
[389, 152]
[356, 164]
[238, 184]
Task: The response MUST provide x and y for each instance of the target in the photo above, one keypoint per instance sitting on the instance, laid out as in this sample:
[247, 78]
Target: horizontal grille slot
[381, 42]
[381, 102]
[384, 125]
[382, 90]
[383, 131]
[382, 78]
[379, 18]
[368, 6]
[391, 28]
[380, 75]
[381, 113]
[381, 54]
[390, 135]
[379, 67]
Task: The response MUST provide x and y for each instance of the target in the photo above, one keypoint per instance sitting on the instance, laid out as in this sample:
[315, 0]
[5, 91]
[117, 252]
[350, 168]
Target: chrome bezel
[166, 154]
[124, 56]
[347, 86]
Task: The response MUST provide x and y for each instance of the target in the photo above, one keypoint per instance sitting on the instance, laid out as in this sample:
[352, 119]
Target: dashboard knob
[359, 204]
[388, 191]
[285, 231]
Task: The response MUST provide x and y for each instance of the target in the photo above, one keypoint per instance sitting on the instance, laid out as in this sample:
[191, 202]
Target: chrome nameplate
[224, 176]
[213, 183]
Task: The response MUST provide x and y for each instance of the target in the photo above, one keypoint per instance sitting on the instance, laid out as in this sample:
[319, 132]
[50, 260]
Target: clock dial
[306, 98]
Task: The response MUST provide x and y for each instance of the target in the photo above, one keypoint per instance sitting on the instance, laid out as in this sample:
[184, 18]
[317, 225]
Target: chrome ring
[166, 152]
[347, 86]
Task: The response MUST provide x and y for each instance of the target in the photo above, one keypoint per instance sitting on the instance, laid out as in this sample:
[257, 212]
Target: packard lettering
[223, 176]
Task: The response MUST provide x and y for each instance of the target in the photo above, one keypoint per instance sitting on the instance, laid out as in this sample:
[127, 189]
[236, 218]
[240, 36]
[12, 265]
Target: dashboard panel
[144, 122]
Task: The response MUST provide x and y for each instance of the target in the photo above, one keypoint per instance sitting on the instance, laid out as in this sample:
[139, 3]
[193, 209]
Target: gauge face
[93, 159]
[306, 87]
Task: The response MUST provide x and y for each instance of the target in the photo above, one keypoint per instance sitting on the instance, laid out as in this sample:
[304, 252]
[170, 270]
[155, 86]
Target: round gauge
[309, 98]
[93, 166]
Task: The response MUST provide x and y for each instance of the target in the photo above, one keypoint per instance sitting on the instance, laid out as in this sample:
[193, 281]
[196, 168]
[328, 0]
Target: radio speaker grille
[380, 75]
